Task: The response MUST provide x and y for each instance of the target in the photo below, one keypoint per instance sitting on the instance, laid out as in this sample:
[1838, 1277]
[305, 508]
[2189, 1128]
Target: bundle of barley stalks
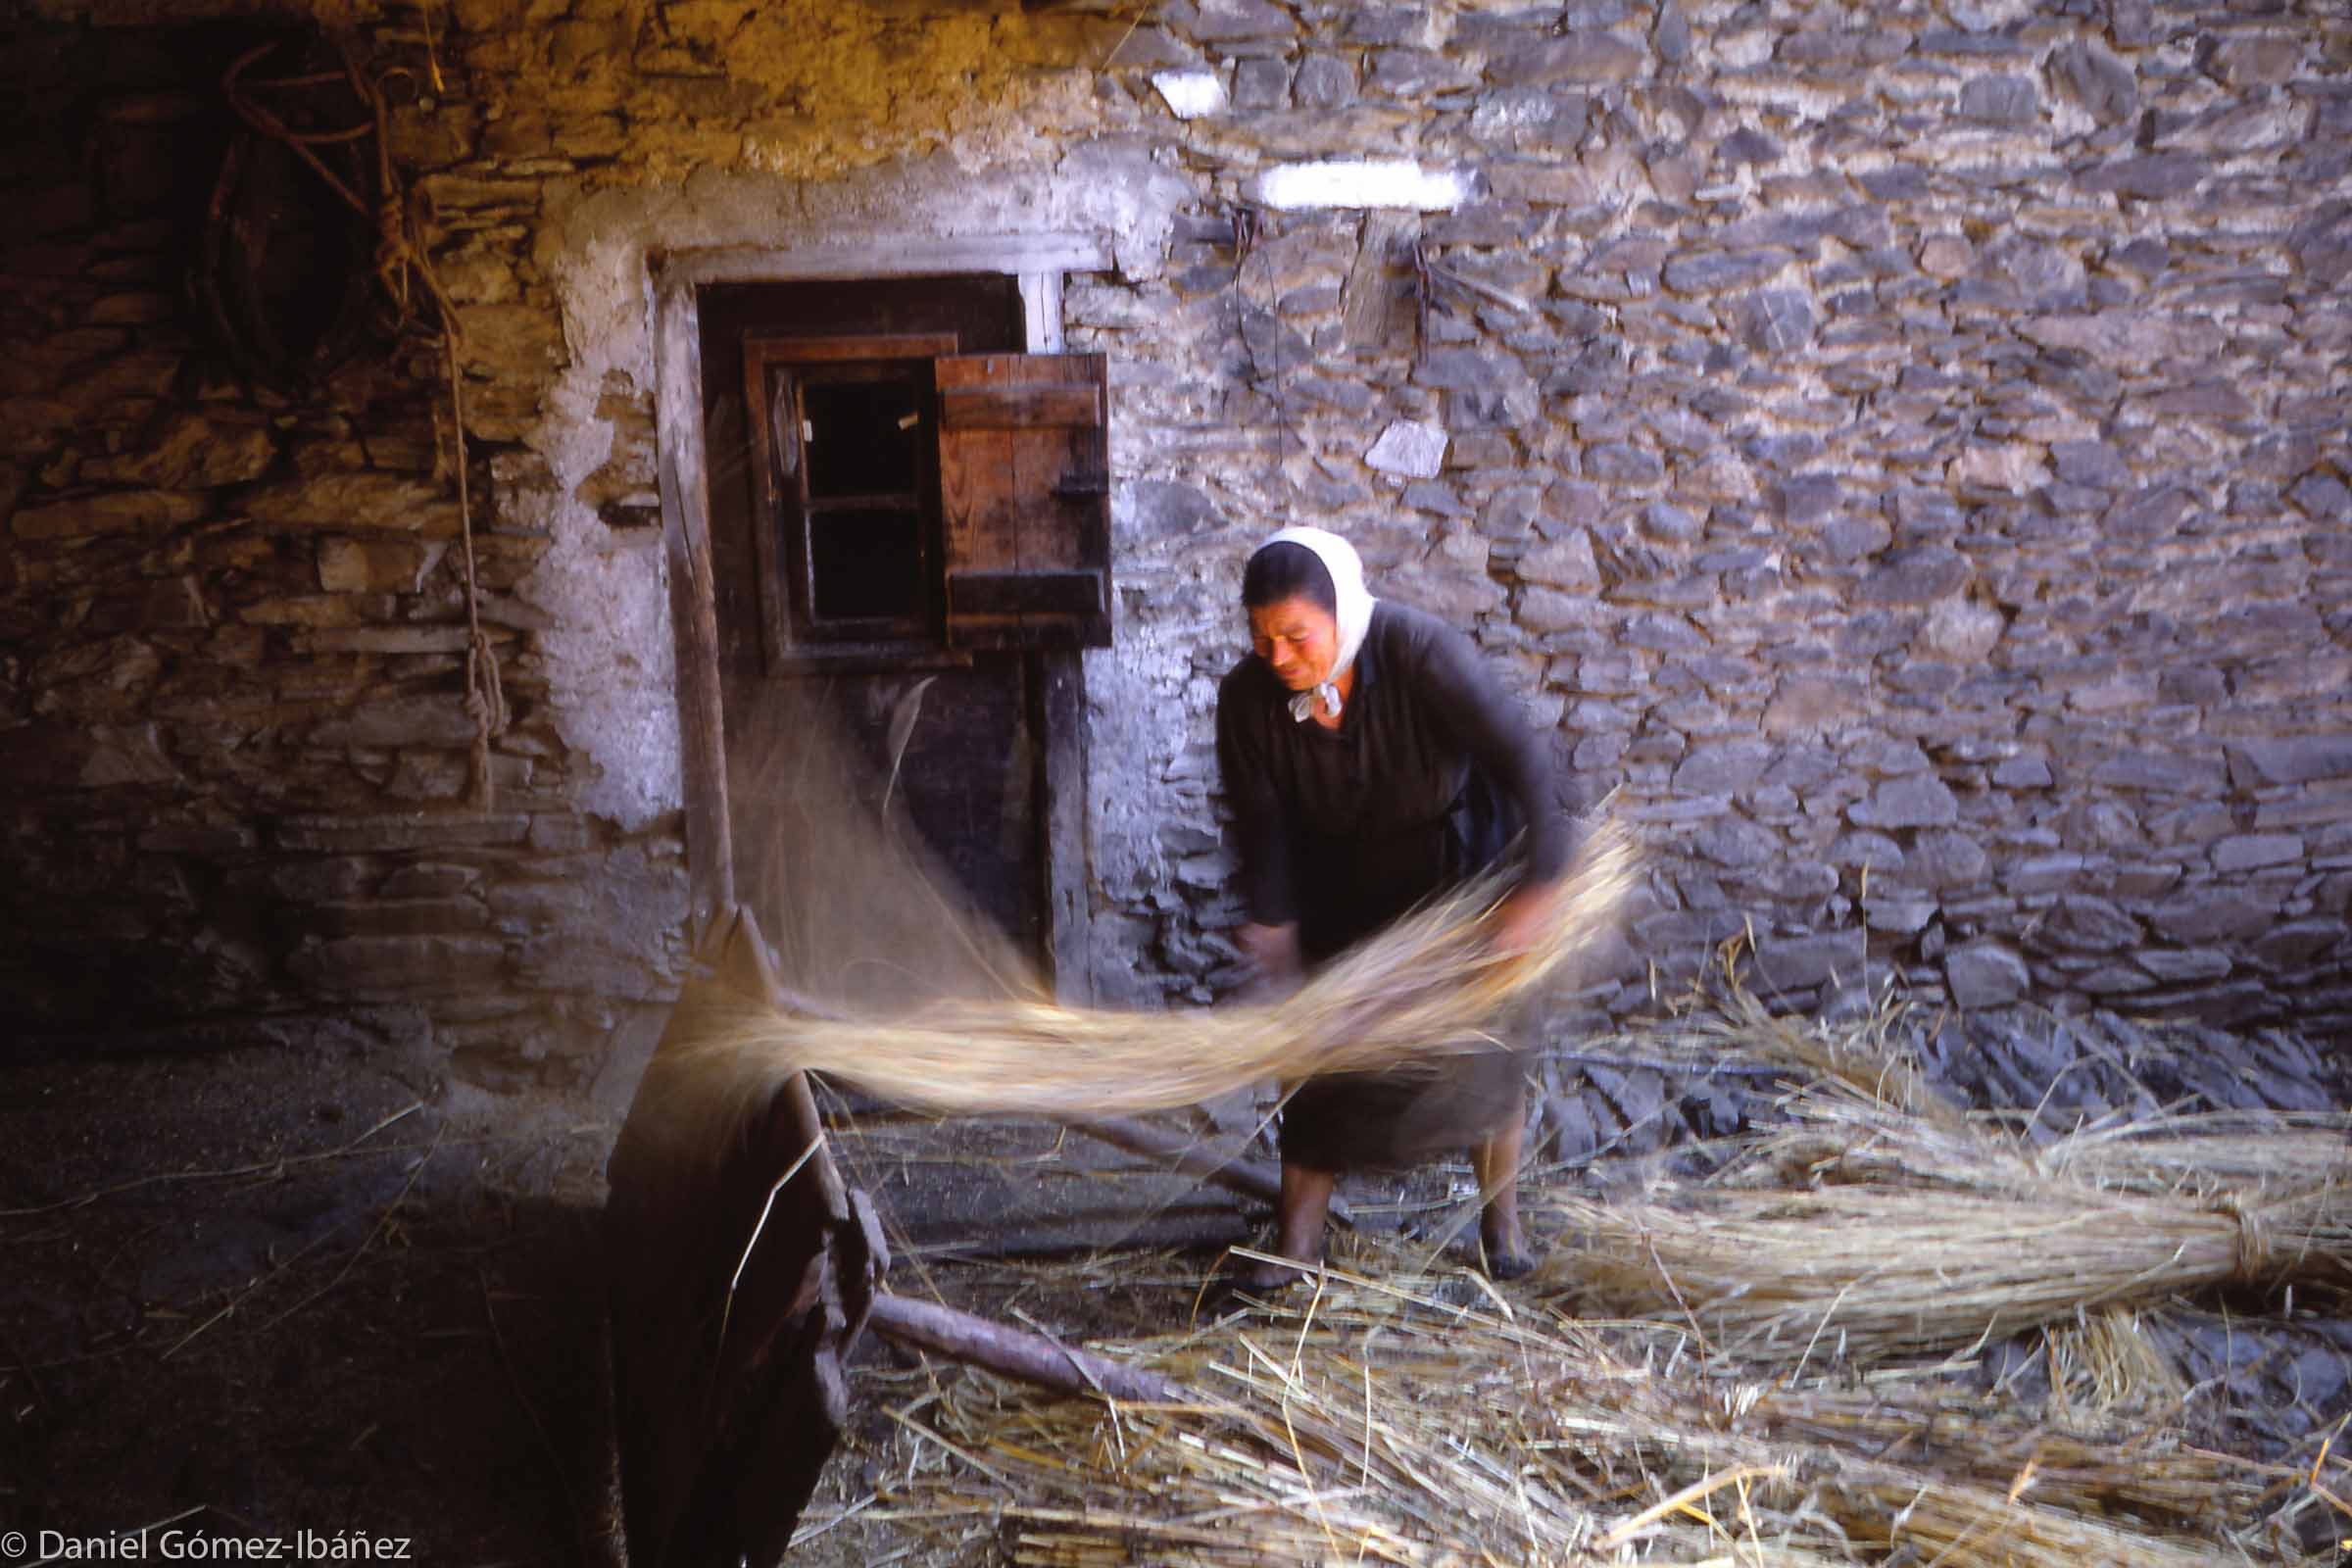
[1881, 1271]
[1880, 1219]
[1432, 984]
[1407, 1419]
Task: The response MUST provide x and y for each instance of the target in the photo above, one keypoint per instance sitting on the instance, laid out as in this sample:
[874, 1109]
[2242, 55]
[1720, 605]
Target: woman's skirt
[1407, 1115]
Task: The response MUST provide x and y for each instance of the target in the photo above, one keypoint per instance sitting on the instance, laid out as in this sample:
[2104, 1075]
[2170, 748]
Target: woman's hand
[1273, 951]
[1518, 921]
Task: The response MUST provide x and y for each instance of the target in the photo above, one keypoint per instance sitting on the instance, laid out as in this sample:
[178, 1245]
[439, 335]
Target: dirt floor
[322, 1297]
[262, 1292]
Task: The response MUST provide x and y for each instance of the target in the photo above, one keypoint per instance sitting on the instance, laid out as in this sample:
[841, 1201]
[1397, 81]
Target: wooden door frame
[1038, 262]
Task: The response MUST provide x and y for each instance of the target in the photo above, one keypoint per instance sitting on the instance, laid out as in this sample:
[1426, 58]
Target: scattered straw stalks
[1428, 986]
[1425, 1421]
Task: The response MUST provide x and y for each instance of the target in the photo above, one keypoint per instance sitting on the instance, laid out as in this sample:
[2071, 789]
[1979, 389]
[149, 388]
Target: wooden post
[693, 597]
[1059, 678]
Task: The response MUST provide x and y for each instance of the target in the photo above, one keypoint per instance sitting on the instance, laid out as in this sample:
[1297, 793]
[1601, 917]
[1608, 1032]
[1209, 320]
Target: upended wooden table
[741, 1277]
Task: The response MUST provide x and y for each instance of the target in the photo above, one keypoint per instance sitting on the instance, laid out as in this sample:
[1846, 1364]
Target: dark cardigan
[1343, 830]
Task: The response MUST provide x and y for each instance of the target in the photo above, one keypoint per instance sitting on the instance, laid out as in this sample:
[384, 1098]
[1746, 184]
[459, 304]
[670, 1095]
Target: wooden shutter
[1024, 488]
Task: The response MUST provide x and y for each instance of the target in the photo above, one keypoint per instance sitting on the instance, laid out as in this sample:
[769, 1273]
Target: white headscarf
[1353, 609]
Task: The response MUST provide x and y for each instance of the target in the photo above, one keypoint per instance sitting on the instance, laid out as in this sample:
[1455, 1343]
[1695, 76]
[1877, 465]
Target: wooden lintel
[898, 256]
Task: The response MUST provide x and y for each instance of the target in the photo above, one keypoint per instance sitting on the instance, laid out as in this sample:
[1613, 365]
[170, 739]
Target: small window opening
[853, 513]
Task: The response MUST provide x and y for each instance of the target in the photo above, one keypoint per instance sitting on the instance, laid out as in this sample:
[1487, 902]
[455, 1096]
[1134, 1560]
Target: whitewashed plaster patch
[1360, 182]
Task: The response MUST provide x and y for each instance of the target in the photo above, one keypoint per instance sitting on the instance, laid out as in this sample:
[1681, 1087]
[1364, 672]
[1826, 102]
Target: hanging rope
[485, 699]
[401, 260]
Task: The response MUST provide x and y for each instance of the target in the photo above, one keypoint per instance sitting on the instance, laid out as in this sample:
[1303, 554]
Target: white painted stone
[1409, 448]
[1189, 94]
[1360, 182]
[2011, 465]
[1961, 630]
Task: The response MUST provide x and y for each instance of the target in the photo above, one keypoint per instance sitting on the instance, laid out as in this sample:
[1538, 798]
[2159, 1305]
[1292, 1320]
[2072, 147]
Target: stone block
[1775, 320]
[1803, 962]
[2252, 852]
[2322, 497]
[2157, 176]
[1565, 562]
[2255, 61]
[191, 452]
[2015, 467]
[383, 966]
[2206, 912]
[2022, 773]
[1961, 630]
[1735, 841]
[1750, 147]
[2125, 339]
[2091, 463]
[1722, 767]
[1897, 917]
[1228, 21]
[1814, 705]
[408, 830]
[1805, 498]
[45, 758]
[1715, 272]
[376, 565]
[1410, 449]
[2113, 980]
[430, 879]
[2096, 79]
[2000, 101]
[1325, 82]
[2291, 760]
[1915, 575]
[1671, 524]
[1579, 57]
[210, 841]
[2161, 774]
[144, 512]
[1851, 538]
[2178, 966]
[400, 722]
[1261, 83]
[1913, 801]
[388, 502]
[1618, 462]
[1408, 73]
[2082, 923]
[1984, 974]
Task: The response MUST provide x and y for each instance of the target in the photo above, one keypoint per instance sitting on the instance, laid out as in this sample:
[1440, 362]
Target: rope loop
[2255, 1255]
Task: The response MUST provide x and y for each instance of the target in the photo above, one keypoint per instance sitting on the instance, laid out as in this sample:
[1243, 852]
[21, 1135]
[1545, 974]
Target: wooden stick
[1235, 1172]
[1016, 1353]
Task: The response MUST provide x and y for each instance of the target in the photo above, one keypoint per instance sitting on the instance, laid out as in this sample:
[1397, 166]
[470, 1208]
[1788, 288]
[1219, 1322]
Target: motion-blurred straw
[1430, 985]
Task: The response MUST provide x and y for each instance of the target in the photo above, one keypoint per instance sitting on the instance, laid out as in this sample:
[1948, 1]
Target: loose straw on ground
[1375, 1418]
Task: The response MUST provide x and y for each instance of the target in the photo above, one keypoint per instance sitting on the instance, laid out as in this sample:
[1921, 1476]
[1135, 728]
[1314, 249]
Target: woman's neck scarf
[1354, 611]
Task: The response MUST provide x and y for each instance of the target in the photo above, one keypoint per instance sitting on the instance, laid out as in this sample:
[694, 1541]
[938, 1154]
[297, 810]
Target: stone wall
[1901, 448]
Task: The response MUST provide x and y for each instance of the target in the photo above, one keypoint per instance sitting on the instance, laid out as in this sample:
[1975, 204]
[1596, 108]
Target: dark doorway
[820, 412]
